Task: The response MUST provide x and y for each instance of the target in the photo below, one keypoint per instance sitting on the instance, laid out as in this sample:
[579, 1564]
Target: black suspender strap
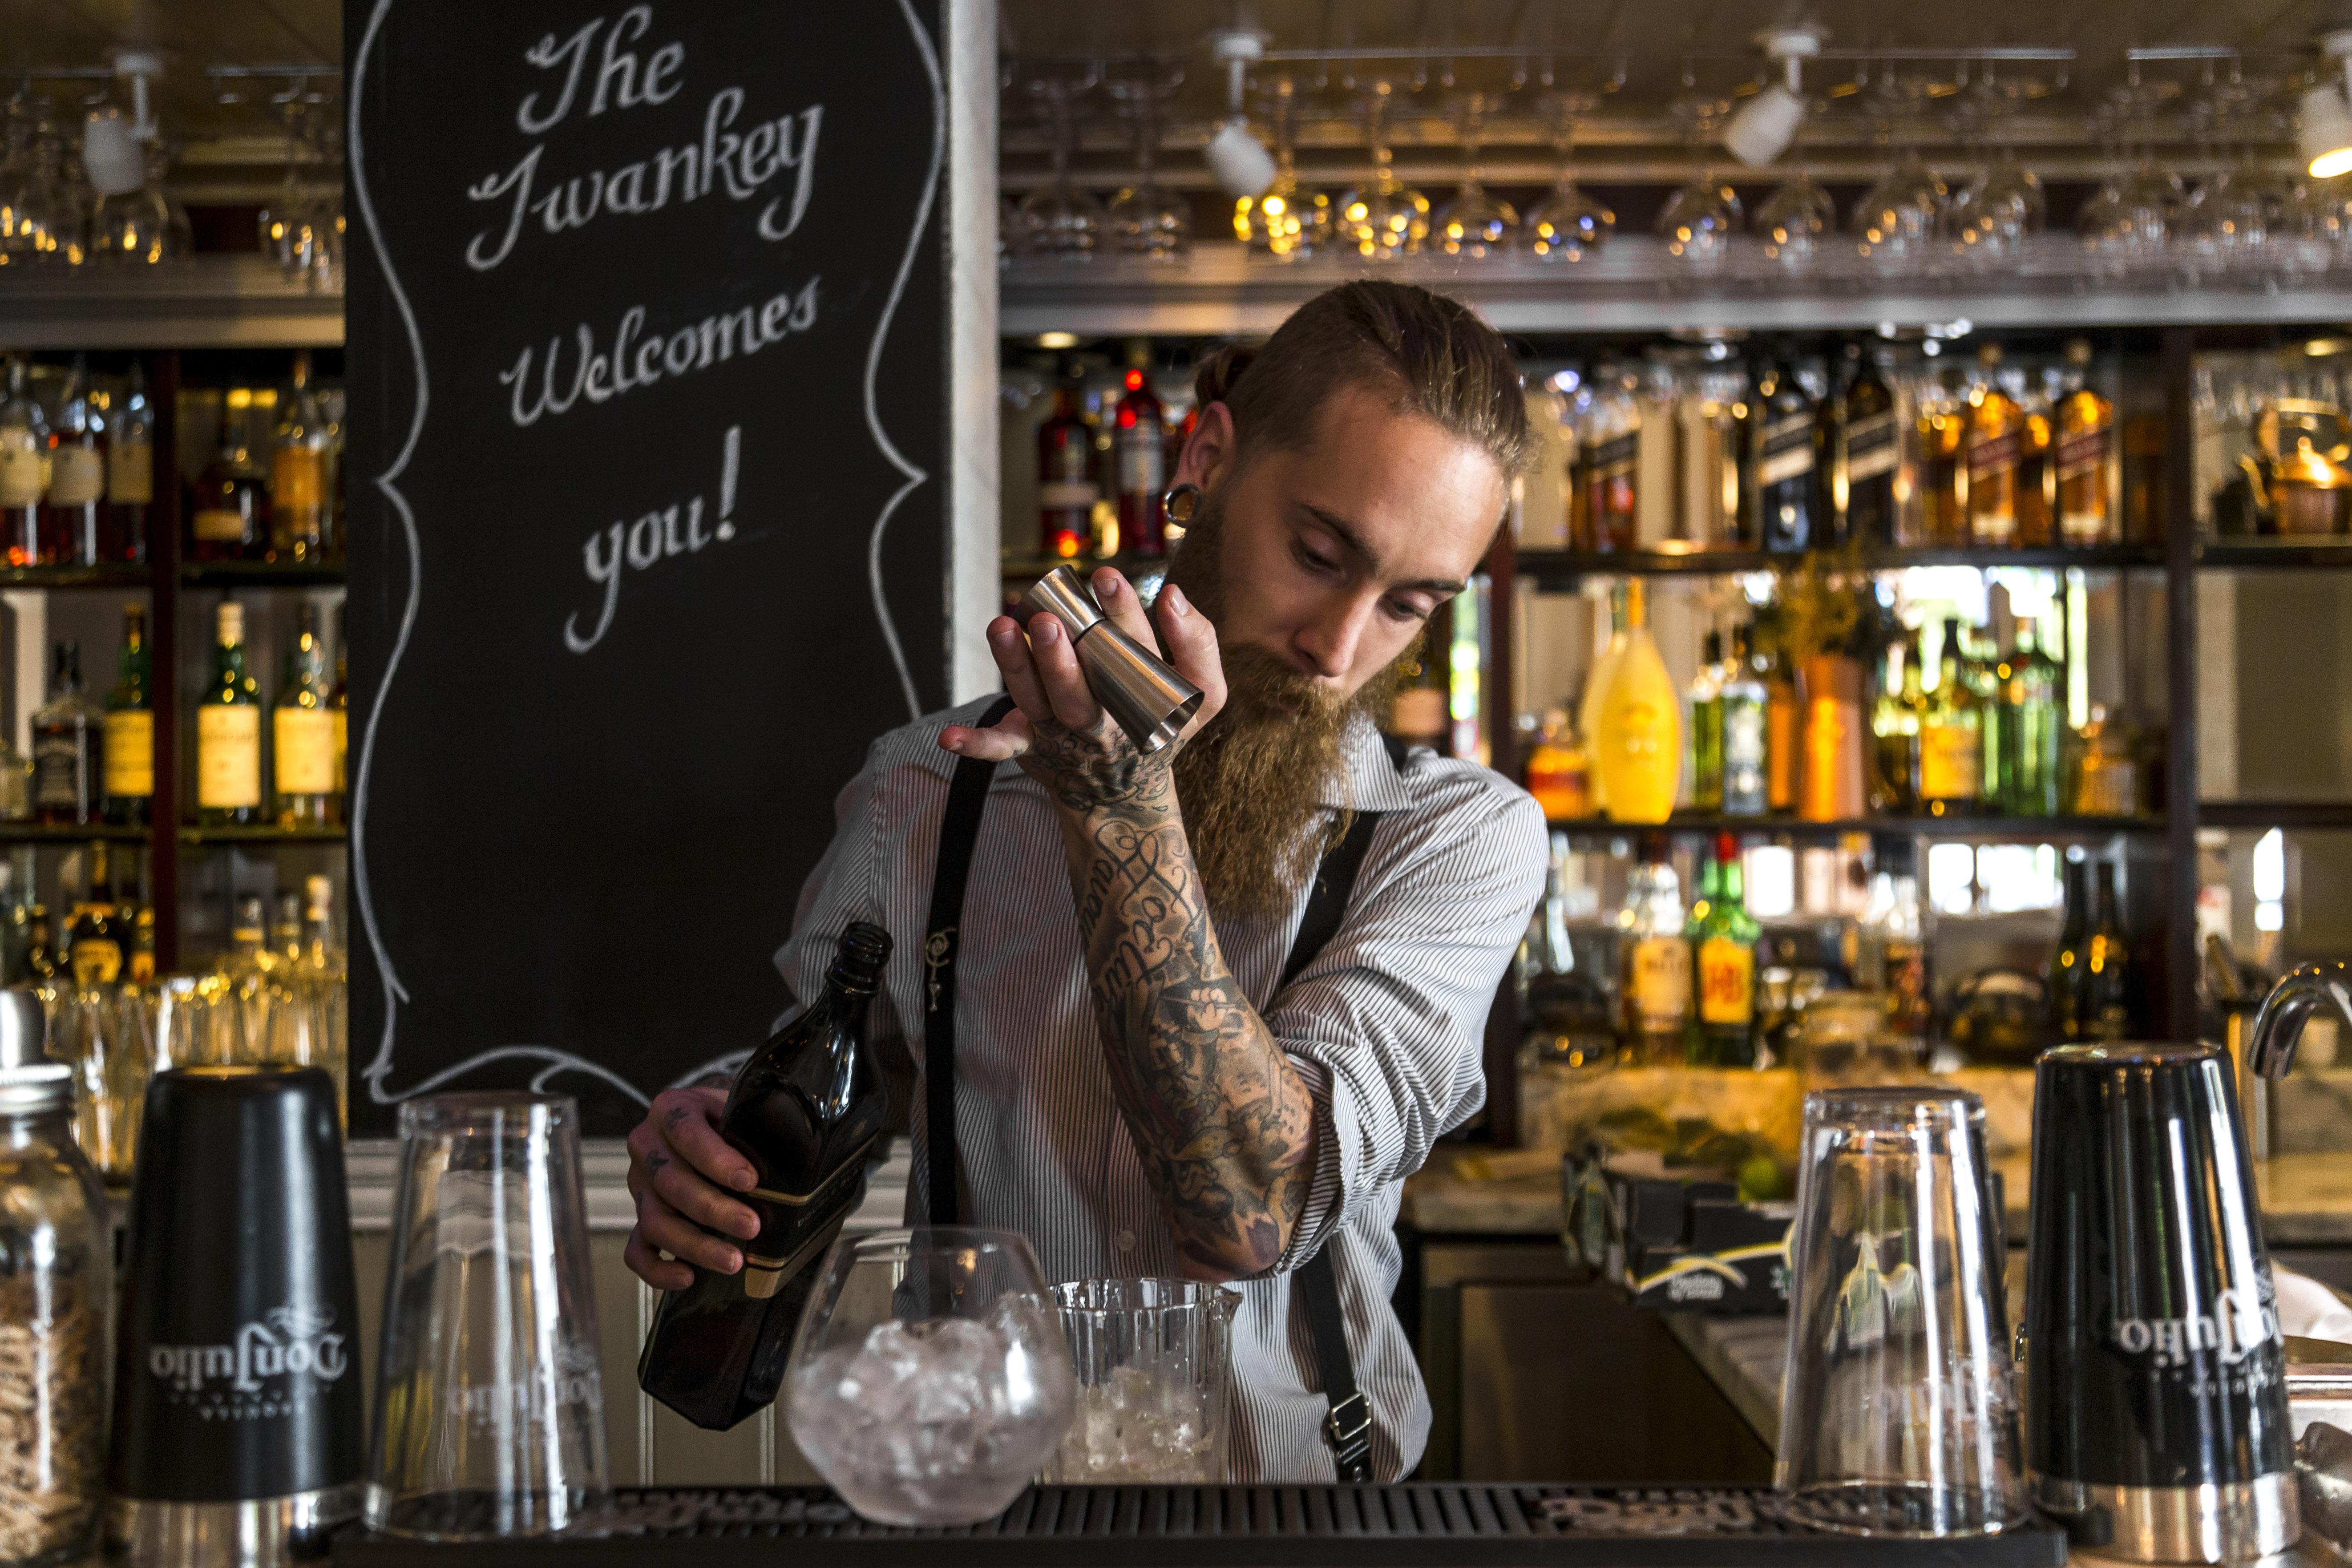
[1315, 1284]
[959, 833]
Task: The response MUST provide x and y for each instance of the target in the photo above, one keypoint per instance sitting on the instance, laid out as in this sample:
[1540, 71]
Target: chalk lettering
[544, 54]
[537, 386]
[661, 535]
[625, 66]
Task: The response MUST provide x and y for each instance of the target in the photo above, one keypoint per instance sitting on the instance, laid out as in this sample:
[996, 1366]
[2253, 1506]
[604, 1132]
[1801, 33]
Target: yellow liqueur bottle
[1638, 743]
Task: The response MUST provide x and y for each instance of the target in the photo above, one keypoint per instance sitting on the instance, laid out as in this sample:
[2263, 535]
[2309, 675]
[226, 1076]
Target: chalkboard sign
[647, 430]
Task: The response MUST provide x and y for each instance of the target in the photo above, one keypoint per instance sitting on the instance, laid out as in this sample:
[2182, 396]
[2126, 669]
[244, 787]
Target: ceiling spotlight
[1239, 160]
[1768, 123]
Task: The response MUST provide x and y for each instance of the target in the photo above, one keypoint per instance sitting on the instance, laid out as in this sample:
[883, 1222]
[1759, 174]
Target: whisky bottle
[66, 745]
[1873, 451]
[1067, 491]
[1941, 435]
[804, 1110]
[1894, 732]
[2069, 965]
[2082, 456]
[76, 499]
[1657, 983]
[1746, 752]
[1952, 739]
[302, 731]
[1725, 948]
[338, 708]
[228, 731]
[2107, 967]
[136, 917]
[94, 943]
[2033, 728]
[228, 504]
[131, 470]
[129, 748]
[1996, 445]
[23, 470]
[1608, 449]
[1138, 455]
[298, 472]
[1780, 459]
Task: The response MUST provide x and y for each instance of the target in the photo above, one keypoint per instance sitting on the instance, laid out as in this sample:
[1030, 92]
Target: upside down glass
[489, 1410]
[929, 1380]
[1899, 1415]
[1152, 1360]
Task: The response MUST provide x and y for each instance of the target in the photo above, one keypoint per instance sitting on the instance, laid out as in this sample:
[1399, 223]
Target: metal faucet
[2270, 1044]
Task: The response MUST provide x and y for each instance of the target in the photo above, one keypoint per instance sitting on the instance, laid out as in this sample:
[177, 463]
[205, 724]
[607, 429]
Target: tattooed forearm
[1222, 1122]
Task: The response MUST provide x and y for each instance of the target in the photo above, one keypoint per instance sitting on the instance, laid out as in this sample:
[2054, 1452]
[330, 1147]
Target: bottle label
[1993, 455]
[1727, 982]
[295, 479]
[1870, 447]
[1613, 459]
[342, 746]
[23, 470]
[229, 756]
[130, 474]
[1066, 494]
[1787, 451]
[130, 753]
[793, 1226]
[1951, 762]
[1142, 459]
[1661, 982]
[61, 770]
[305, 739]
[2082, 452]
[218, 524]
[76, 476]
[96, 961]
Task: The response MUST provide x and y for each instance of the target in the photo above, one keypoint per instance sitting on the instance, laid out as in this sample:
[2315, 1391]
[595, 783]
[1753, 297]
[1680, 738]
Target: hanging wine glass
[15, 172]
[1991, 219]
[1474, 223]
[1287, 222]
[1148, 222]
[52, 219]
[134, 228]
[1795, 223]
[1894, 226]
[1567, 224]
[1384, 217]
[1699, 221]
[1058, 220]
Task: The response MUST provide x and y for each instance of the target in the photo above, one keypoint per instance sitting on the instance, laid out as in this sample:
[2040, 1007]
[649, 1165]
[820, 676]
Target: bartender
[1137, 1088]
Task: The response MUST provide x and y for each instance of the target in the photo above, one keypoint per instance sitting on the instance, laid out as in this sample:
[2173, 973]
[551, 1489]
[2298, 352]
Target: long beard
[1253, 782]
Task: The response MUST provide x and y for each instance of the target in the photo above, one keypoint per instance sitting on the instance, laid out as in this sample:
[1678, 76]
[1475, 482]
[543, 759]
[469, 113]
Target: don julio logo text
[2240, 1324]
[288, 1341]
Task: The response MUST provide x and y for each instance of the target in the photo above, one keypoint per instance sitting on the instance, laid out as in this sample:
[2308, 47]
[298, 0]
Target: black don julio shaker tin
[2156, 1392]
[237, 1400]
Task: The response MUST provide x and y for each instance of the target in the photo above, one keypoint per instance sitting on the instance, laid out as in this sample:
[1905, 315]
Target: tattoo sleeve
[1222, 1121]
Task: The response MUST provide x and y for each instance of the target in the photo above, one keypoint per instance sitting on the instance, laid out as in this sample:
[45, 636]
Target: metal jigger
[1151, 702]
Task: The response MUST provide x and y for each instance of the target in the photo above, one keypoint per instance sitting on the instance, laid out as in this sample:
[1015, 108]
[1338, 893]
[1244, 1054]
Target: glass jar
[53, 1304]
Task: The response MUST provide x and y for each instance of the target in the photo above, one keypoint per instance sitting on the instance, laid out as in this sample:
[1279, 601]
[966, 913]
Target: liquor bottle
[339, 711]
[1872, 453]
[1656, 984]
[2082, 456]
[1706, 698]
[1608, 448]
[1985, 673]
[1894, 732]
[67, 744]
[130, 747]
[302, 731]
[1067, 491]
[1952, 739]
[2033, 729]
[323, 958]
[286, 932]
[1638, 744]
[1892, 940]
[2107, 967]
[1996, 443]
[1745, 757]
[2070, 963]
[40, 954]
[1138, 450]
[1596, 688]
[139, 961]
[1783, 733]
[75, 509]
[228, 504]
[248, 954]
[1560, 772]
[228, 731]
[2037, 498]
[298, 472]
[1829, 452]
[1778, 476]
[95, 943]
[1726, 1033]
[804, 1110]
[23, 470]
[1422, 710]
[130, 470]
[1940, 433]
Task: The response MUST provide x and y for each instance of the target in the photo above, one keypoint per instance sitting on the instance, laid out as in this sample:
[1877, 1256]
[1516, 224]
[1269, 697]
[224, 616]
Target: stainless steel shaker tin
[1139, 688]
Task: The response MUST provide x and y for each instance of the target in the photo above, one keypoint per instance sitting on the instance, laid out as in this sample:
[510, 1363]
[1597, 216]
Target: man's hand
[679, 1169]
[1058, 731]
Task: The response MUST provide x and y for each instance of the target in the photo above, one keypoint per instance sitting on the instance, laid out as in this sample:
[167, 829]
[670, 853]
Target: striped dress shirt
[1386, 1026]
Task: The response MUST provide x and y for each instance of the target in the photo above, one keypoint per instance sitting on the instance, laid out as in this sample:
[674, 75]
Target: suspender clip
[1349, 1429]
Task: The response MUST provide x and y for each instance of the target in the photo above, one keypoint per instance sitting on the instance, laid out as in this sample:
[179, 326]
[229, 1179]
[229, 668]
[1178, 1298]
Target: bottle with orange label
[298, 472]
[1655, 959]
[1637, 741]
[1723, 1033]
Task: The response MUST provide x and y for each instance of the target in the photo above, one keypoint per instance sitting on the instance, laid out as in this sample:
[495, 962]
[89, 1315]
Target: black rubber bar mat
[1421, 1525]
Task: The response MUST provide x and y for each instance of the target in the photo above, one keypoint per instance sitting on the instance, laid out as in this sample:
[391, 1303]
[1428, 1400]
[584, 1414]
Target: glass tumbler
[1899, 1415]
[929, 1380]
[490, 1412]
[1153, 1358]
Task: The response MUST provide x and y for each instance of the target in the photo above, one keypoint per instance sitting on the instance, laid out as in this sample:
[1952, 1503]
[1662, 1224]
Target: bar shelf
[2305, 814]
[267, 834]
[2274, 552]
[1980, 830]
[261, 575]
[69, 833]
[1550, 567]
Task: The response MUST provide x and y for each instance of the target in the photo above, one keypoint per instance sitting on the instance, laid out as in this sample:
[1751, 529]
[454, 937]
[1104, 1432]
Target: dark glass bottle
[1777, 478]
[1873, 449]
[95, 944]
[1067, 491]
[805, 1110]
[2106, 978]
[1139, 451]
[131, 730]
[2069, 966]
[228, 503]
[65, 746]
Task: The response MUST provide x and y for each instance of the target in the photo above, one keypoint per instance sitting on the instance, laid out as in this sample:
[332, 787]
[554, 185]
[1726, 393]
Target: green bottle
[1986, 673]
[2033, 728]
[129, 749]
[1706, 727]
[1724, 941]
[228, 731]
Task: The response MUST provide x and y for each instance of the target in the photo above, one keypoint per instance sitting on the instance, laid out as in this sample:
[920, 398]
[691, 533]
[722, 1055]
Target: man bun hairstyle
[1424, 354]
